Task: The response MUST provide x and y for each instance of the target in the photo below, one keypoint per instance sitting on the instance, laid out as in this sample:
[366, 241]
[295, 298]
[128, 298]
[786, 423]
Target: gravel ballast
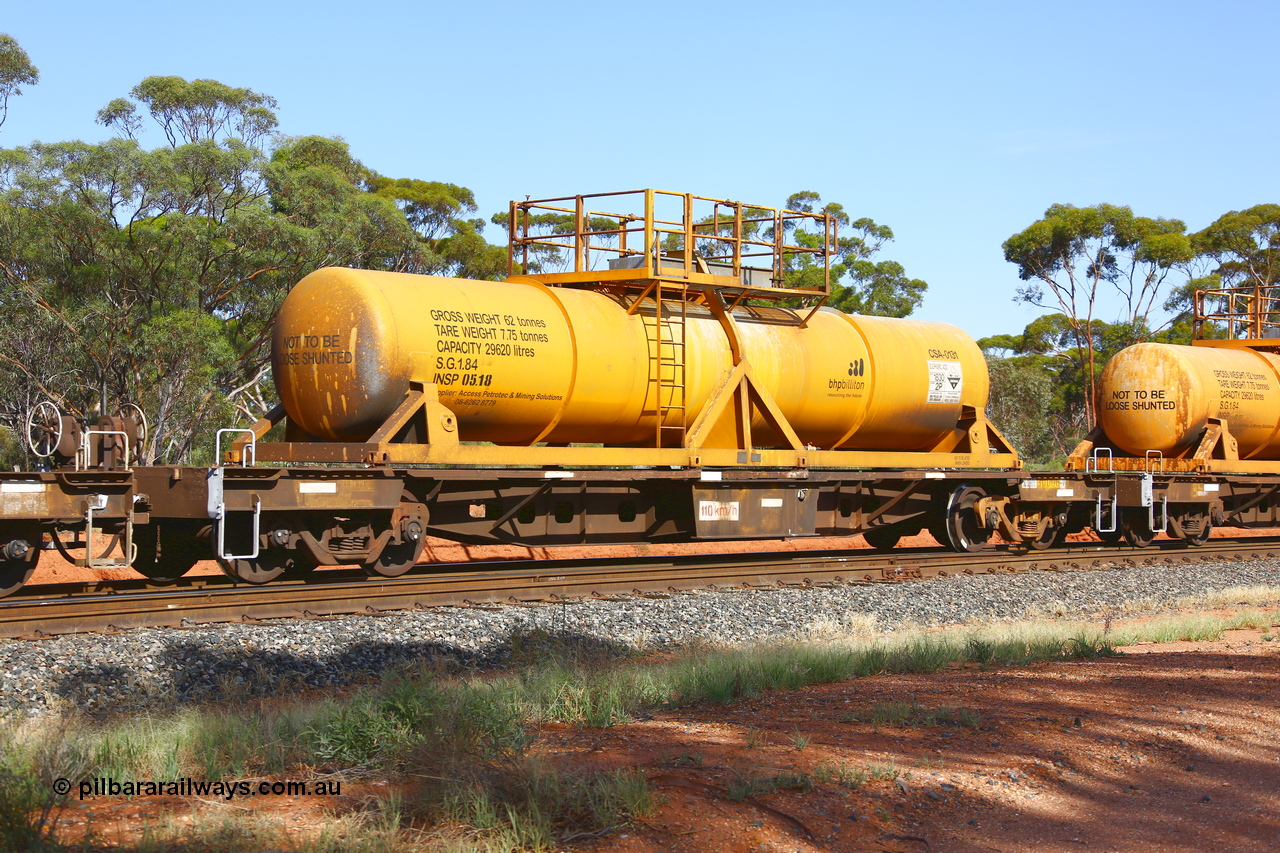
[164, 666]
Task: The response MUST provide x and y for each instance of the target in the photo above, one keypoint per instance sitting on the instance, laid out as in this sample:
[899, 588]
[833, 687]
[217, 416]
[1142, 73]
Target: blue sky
[956, 124]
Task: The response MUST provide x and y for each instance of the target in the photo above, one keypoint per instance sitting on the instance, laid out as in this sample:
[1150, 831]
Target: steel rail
[98, 606]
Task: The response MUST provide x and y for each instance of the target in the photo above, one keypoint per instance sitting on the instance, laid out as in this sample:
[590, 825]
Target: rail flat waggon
[668, 384]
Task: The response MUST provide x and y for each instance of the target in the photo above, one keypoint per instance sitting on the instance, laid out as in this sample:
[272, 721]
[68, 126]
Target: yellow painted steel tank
[1160, 397]
[519, 362]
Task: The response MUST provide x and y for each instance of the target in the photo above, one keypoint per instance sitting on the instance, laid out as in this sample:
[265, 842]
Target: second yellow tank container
[1159, 397]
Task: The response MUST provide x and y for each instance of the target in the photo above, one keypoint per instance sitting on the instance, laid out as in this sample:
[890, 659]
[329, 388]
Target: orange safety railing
[1249, 312]
[669, 232]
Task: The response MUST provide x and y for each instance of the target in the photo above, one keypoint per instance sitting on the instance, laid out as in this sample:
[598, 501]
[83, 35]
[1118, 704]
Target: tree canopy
[860, 284]
[1067, 256]
[16, 71]
[1074, 257]
[158, 271]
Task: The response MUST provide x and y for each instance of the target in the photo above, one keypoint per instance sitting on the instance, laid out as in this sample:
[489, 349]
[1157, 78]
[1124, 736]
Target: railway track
[124, 605]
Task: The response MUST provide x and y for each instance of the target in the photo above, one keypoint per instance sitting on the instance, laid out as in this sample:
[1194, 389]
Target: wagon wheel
[130, 411]
[17, 569]
[1135, 526]
[395, 560]
[44, 429]
[167, 551]
[959, 529]
[410, 521]
[882, 538]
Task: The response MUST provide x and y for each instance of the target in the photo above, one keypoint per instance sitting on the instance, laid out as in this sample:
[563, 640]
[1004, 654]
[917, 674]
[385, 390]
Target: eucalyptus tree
[16, 71]
[158, 271]
[450, 241]
[1245, 245]
[1023, 407]
[1068, 256]
[860, 283]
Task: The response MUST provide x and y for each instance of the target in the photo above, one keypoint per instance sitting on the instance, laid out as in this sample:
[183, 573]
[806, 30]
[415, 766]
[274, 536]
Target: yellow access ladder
[667, 367]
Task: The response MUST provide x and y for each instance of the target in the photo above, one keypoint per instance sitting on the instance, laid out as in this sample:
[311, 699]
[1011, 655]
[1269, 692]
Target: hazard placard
[946, 380]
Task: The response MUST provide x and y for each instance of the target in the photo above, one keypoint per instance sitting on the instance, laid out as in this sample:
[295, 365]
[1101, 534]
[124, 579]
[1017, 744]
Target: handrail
[1248, 311]
[1111, 467]
[1097, 514]
[84, 454]
[717, 231]
[250, 451]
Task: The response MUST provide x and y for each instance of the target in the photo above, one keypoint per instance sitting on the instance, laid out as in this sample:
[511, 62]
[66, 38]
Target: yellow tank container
[519, 362]
[923, 373]
[1160, 396]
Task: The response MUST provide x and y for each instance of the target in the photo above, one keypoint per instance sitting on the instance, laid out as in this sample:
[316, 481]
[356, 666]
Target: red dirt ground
[1172, 748]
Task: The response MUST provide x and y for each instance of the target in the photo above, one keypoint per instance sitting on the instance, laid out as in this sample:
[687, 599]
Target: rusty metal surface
[123, 605]
[1161, 397]
[63, 495]
[1130, 464]
[484, 456]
